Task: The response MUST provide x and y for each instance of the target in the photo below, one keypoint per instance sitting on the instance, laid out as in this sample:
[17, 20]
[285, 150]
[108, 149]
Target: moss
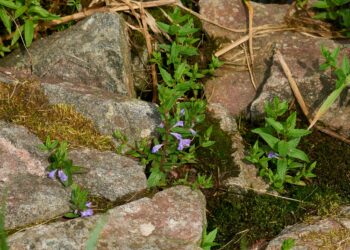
[219, 156]
[335, 239]
[25, 104]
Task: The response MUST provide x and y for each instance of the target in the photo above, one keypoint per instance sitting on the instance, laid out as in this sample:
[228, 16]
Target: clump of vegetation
[279, 159]
[62, 168]
[180, 105]
[26, 104]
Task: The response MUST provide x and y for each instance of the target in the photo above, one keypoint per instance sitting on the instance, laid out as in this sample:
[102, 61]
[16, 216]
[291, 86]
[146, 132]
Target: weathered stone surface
[247, 177]
[109, 175]
[94, 52]
[233, 14]
[329, 233]
[135, 118]
[19, 152]
[234, 88]
[30, 196]
[303, 56]
[172, 219]
[32, 199]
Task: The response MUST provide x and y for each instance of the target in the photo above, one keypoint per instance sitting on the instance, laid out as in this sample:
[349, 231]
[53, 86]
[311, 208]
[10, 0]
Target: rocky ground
[88, 67]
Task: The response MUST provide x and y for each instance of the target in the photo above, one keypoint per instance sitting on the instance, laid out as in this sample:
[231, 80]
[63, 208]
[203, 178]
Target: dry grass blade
[251, 73]
[250, 29]
[149, 49]
[301, 102]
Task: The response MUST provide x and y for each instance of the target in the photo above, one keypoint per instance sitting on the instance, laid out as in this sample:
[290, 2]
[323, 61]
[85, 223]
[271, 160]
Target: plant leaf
[6, 20]
[28, 32]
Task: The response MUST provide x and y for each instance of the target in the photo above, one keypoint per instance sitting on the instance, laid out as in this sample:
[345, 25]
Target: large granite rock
[29, 196]
[233, 87]
[93, 52]
[328, 233]
[109, 175]
[136, 119]
[172, 219]
[303, 56]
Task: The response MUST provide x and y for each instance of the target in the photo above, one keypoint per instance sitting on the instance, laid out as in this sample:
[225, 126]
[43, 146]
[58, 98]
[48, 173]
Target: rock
[109, 175]
[303, 56]
[19, 152]
[233, 88]
[29, 196]
[30, 199]
[328, 233]
[94, 52]
[136, 119]
[247, 177]
[172, 219]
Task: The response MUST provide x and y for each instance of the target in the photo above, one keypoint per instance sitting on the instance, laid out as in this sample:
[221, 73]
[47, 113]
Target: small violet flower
[193, 132]
[182, 112]
[52, 174]
[87, 213]
[88, 204]
[184, 143]
[272, 154]
[63, 177]
[177, 135]
[156, 148]
[161, 125]
[179, 124]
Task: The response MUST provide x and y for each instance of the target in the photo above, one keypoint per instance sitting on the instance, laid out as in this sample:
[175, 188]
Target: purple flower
[179, 124]
[87, 213]
[63, 177]
[88, 204]
[193, 132]
[184, 143]
[177, 135]
[272, 154]
[52, 174]
[161, 125]
[156, 148]
[182, 112]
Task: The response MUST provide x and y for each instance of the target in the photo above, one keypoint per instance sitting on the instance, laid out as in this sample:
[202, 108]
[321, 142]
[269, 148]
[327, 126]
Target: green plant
[79, 203]
[208, 239]
[75, 4]
[342, 73]
[180, 105]
[279, 159]
[3, 235]
[288, 244]
[22, 16]
[59, 162]
[336, 11]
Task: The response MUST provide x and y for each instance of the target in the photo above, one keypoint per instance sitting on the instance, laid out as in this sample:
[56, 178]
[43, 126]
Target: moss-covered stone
[25, 104]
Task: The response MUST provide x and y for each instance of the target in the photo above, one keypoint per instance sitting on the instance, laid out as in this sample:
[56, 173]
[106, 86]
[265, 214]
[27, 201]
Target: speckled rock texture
[172, 219]
[136, 119]
[233, 87]
[29, 196]
[93, 52]
[328, 233]
[303, 56]
[247, 173]
[109, 175]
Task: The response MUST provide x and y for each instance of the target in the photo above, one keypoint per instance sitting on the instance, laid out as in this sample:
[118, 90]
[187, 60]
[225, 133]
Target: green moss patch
[25, 104]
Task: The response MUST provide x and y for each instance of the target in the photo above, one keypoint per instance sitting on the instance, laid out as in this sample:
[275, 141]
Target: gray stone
[327, 233]
[172, 219]
[136, 119]
[30, 199]
[109, 175]
[303, 56]
[247, 173]
[29, 196]
[94, 52]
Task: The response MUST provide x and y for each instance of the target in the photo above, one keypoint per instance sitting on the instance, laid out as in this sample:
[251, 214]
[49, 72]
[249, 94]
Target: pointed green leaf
[8, 4]
[19, 12]
[6, 19]
[269, 139]
[298, 154]
[17, 35]
[275, 124]
[28, 32]
[298, 133]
